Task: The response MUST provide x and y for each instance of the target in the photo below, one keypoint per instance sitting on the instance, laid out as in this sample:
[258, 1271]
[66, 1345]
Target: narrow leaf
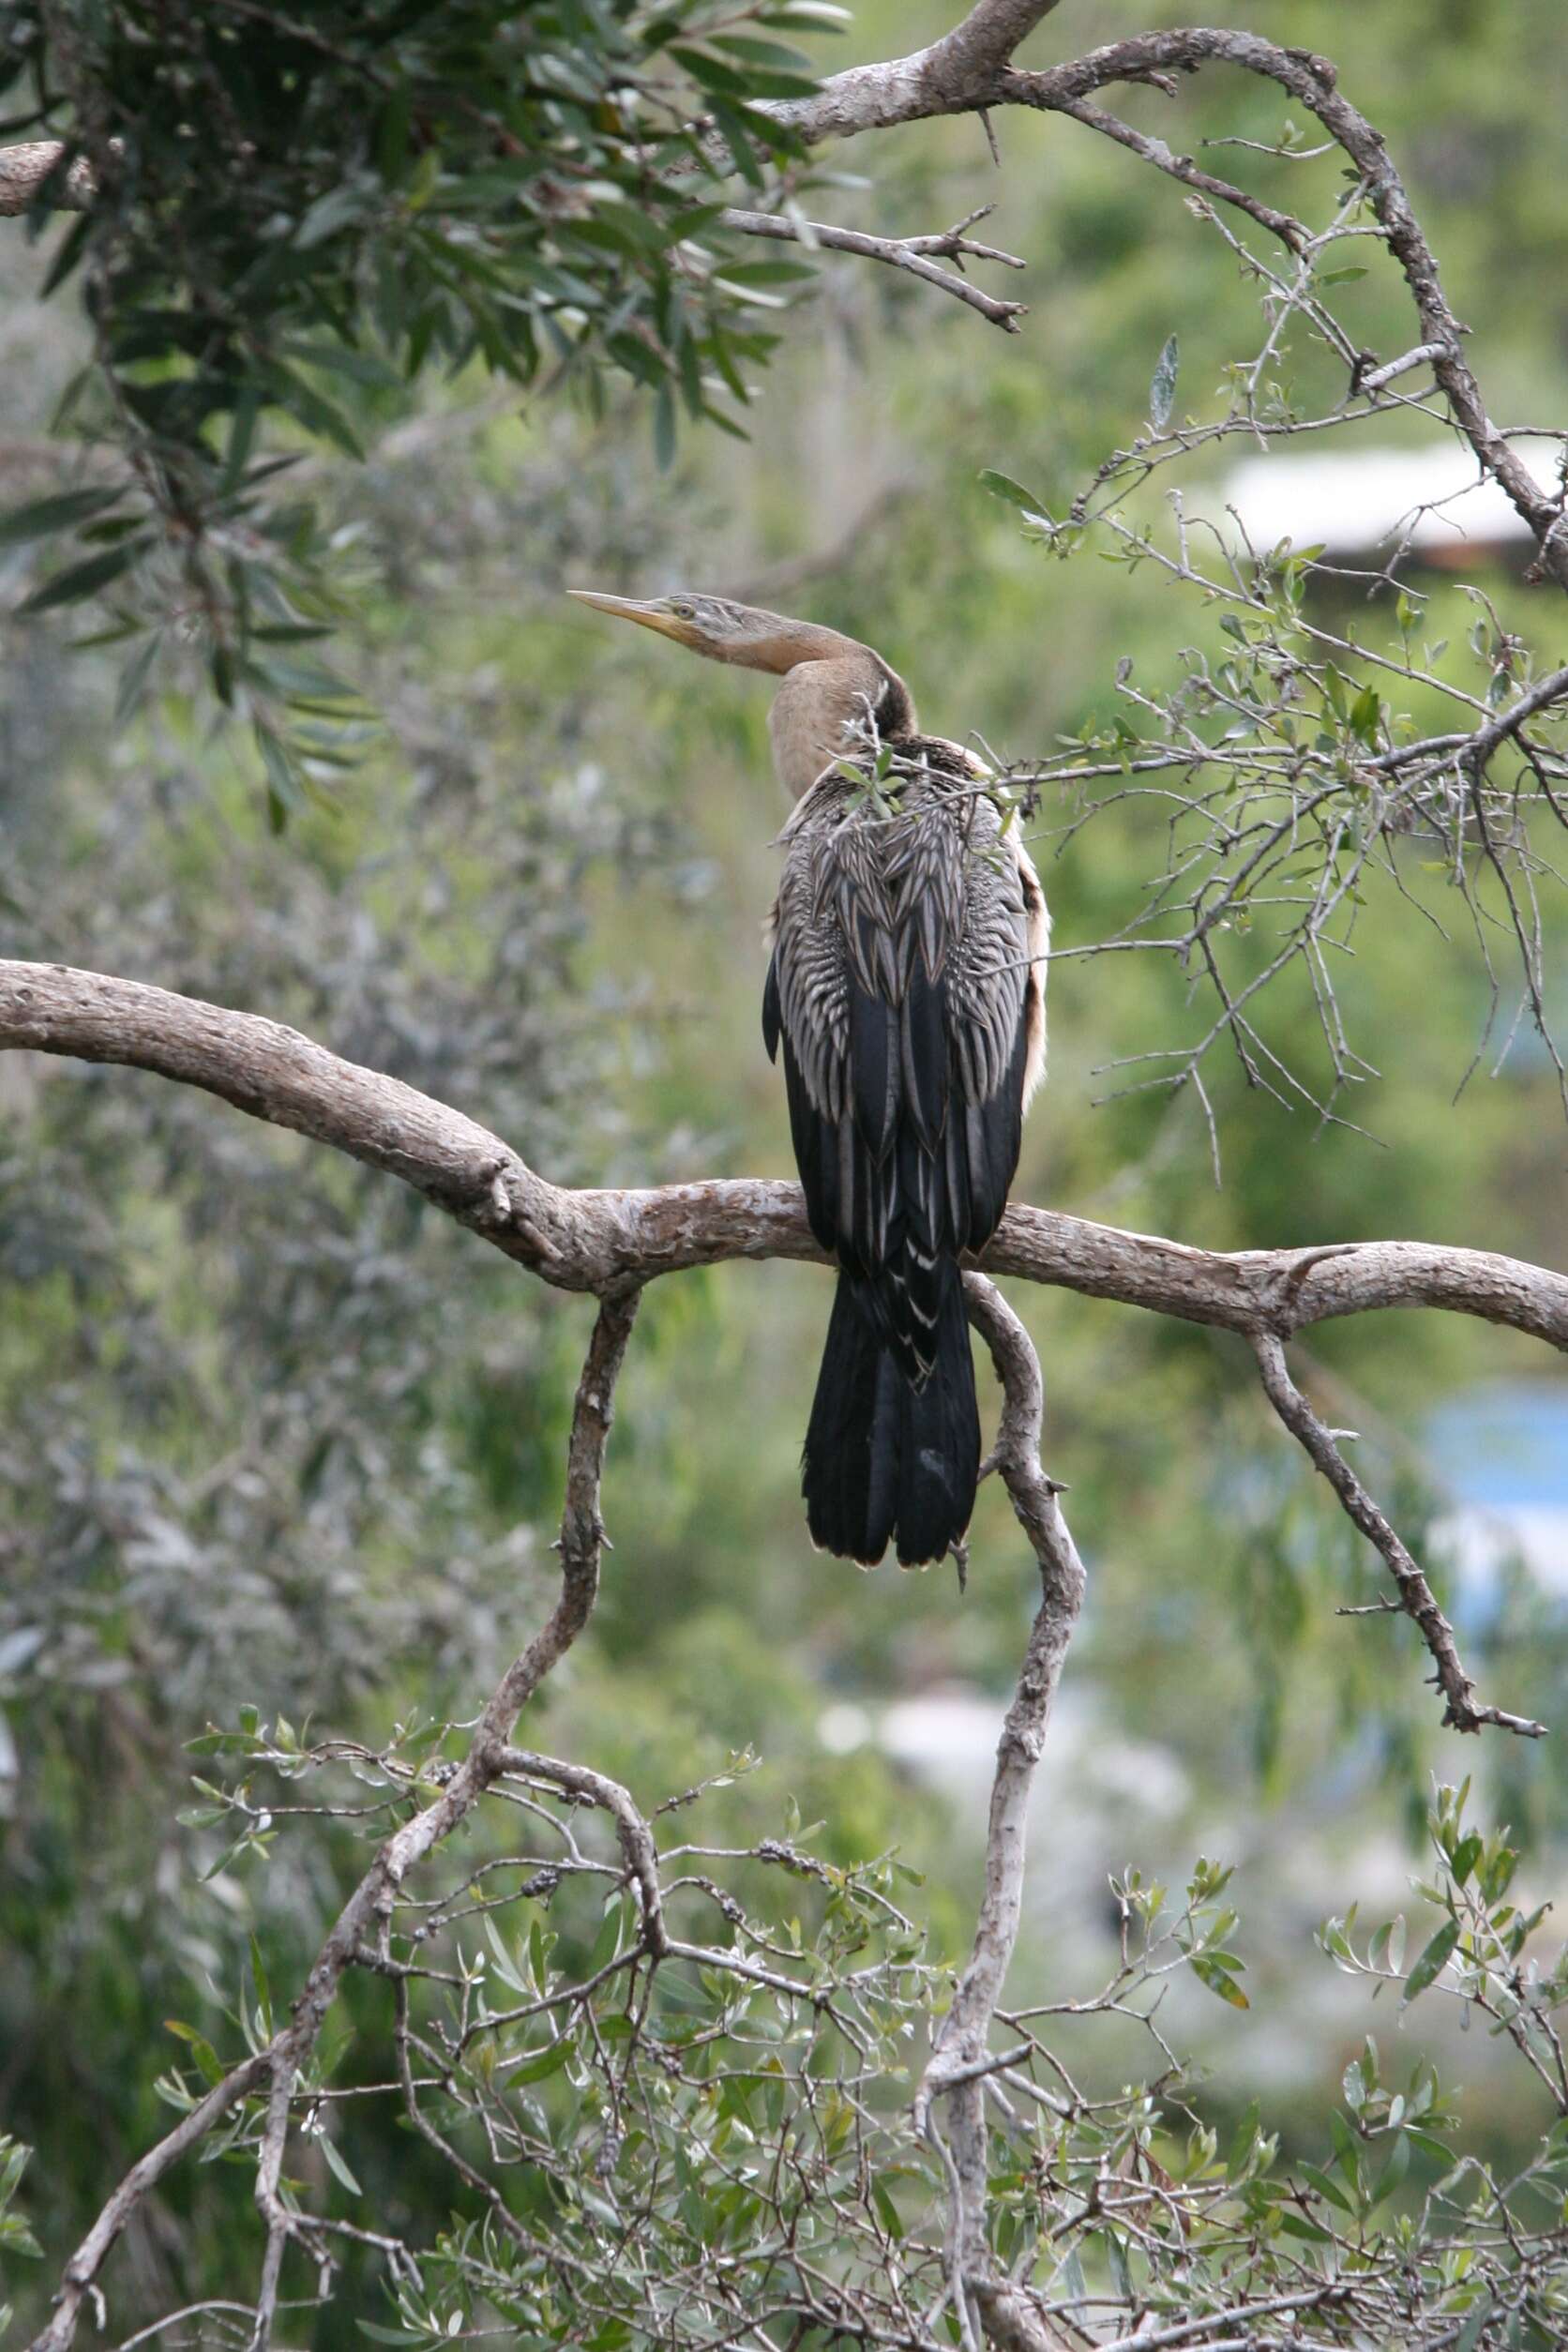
[43, 515]
[1430, 1965]
[1162, 390]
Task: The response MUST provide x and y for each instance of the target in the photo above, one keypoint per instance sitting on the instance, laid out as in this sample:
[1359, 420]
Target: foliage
[1324, 747]
[514, 907]
[297, 215]
[684, 2112]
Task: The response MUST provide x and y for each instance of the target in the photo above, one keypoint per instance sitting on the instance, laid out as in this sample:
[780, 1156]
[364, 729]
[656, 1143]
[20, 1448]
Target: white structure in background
[1100, 1798]
[1365, 503]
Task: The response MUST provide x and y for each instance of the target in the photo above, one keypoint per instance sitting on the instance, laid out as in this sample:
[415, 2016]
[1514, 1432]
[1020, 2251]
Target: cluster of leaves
[294, 214]
[15, 2236]
[661, 2120]
[1481, 1954]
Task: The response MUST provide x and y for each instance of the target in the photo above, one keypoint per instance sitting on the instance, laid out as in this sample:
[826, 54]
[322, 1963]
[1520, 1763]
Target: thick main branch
[602, 1240]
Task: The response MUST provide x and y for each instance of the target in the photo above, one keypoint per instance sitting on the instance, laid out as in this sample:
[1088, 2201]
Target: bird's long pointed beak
[649, 613]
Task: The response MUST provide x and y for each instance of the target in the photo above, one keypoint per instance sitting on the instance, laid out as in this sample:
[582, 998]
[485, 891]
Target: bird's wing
[900, 989]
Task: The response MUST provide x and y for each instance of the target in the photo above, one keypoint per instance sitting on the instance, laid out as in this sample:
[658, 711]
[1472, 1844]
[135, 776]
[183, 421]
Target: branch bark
[913, 254]
[602, 1240]
[24, 172]
[958, 2053]
[1417, 1597]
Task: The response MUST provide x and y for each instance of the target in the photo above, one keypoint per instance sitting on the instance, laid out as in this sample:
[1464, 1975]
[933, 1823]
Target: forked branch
[918, 255]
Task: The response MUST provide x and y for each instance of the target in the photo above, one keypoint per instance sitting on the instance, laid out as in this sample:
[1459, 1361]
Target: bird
[906, 993]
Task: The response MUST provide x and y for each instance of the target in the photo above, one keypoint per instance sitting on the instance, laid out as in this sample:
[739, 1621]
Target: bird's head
[725, 631]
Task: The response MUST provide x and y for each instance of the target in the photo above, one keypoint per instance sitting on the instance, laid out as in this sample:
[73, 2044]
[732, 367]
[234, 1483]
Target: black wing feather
[772, 1016]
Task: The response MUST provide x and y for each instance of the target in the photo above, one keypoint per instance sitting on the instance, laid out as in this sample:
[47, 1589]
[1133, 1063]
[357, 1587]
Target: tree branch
[488, 1757]
[969, 71]
[958, 2051]
[25, 172]
[909, 253]
[599, 1241]
[1417, 1597]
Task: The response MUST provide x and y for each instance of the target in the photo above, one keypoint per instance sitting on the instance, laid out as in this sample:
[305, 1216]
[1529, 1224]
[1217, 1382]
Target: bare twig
[1415, 1594]
[1378, 378]
[914, 254]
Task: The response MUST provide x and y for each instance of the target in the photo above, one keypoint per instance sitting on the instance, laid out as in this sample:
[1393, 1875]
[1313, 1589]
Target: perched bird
[907, 990]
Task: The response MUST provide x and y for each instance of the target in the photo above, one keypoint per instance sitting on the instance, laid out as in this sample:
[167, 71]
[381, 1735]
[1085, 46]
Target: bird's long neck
[827, 702]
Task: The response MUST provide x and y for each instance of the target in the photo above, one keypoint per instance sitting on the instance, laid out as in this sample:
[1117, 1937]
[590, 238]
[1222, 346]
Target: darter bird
[907, 990]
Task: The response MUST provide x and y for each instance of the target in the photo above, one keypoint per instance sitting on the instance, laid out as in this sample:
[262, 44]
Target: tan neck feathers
[823, 708]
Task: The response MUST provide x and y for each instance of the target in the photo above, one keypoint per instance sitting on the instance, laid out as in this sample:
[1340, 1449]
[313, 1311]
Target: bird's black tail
[884, 1460]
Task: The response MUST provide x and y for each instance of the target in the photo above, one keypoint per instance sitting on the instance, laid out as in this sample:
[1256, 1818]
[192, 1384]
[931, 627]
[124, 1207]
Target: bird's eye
[683, 611]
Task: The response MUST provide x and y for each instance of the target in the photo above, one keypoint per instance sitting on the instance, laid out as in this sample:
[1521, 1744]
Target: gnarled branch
[958, 2055]
[1417, 1597]
[611, 1242]
[598, 1240]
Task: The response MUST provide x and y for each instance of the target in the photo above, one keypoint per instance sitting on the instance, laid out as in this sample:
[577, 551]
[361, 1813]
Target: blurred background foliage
[269, 1433]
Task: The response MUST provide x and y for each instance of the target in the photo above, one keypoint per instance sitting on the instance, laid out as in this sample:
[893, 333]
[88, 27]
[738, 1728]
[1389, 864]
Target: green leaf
[1365, 711]
[327, 215]
[550, 2061]
[131, 690]
[85, 578]
[1431, 1963]
[1003, 486]
[1465, 1855]
[1325, 2187]
[62, 512]
[338, 2165]
[1297, 2225]
[1216, 1974]
[200, 2047]
[664, 427]
[1395, 2170]
[1468, 2336]
[317, 415]
[737, 128]
[1162, 388]
[887, 2212]
[364, 367]
[285, 786]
